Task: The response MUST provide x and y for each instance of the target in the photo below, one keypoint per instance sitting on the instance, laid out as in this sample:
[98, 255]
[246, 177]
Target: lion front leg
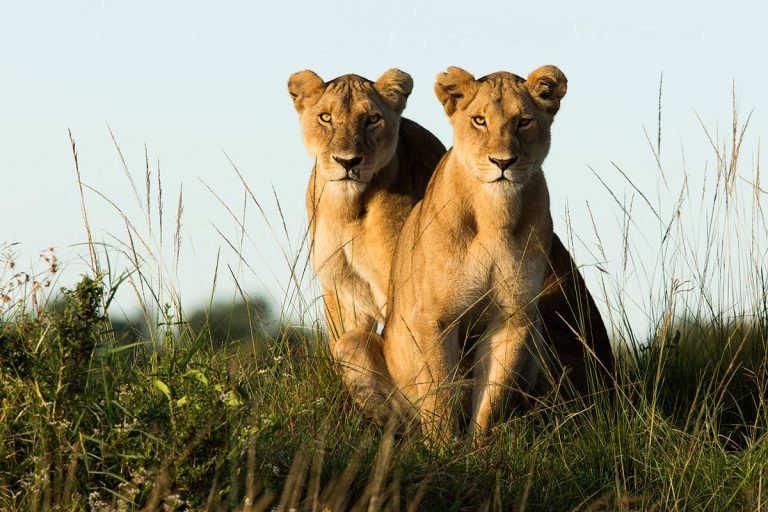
[356, 350]
[359, 357]
[422, 361]
[506, 360]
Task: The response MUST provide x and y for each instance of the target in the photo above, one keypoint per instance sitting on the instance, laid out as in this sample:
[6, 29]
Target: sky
[200, 83]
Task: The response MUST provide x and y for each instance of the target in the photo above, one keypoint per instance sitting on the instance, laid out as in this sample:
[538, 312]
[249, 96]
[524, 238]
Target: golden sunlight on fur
[485, 304]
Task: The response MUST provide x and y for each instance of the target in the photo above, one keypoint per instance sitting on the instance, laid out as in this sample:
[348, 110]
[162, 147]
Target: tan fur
[471, 262]
[355, 215]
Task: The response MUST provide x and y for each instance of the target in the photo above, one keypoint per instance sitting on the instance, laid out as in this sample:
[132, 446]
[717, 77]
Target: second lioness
[371, 167]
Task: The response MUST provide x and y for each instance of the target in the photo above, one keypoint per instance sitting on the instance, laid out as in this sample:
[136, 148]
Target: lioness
[371, 167]
[472, 258]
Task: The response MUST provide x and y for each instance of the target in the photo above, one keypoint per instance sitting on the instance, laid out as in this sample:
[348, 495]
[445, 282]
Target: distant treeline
[222, 324]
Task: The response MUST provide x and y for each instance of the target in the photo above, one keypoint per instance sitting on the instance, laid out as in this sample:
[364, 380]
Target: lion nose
[503, 164]
[348, 163]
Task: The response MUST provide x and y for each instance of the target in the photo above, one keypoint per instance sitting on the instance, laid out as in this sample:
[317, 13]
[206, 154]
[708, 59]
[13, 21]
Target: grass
[178, 416]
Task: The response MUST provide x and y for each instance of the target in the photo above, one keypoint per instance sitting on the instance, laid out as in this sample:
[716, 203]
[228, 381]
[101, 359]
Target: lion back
[419, 152]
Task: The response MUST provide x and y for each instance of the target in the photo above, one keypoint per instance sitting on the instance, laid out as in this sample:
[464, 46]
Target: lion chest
[344, 260]
[507, 272]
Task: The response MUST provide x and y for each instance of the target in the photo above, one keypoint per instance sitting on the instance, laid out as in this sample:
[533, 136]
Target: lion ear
[304, 87]
[455, 88]
[547, 86]
[394, 87]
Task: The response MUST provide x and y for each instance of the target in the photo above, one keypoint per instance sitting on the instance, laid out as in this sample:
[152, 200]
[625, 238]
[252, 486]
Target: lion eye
[524, 121]
[325, 117]
[374, 118]
[479, 120]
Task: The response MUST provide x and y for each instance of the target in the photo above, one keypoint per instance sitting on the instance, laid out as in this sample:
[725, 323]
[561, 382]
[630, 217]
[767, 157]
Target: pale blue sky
[192, 79]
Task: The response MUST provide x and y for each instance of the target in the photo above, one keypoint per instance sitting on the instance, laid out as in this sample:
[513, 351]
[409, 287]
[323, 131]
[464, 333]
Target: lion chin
[348, 186]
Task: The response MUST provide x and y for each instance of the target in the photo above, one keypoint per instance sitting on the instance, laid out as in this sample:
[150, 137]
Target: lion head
[501, 122]
[350, 124]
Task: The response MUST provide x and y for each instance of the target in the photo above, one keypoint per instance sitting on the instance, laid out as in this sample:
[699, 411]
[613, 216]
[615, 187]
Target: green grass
[173, 414]
[86, 423]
